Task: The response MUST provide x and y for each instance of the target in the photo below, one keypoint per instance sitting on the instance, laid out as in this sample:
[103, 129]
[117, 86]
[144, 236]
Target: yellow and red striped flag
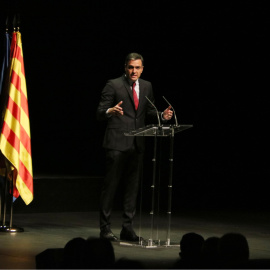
[15, 140]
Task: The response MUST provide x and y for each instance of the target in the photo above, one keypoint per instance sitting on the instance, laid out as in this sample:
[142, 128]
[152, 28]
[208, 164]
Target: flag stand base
[11, 229]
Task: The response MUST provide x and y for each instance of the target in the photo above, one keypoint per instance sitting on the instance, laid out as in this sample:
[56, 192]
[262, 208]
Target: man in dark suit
[124, 106]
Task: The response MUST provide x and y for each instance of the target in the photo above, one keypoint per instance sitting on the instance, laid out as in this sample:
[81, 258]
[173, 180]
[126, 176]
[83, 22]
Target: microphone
[155, 109]
[176, 123]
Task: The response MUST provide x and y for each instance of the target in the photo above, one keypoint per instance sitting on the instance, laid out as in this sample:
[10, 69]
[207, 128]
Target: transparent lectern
[160, 131]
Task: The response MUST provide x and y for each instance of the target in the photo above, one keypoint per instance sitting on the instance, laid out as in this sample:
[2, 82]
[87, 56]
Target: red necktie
[135, 97]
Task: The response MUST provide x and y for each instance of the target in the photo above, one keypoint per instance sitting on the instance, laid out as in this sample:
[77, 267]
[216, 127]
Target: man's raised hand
[117, 109]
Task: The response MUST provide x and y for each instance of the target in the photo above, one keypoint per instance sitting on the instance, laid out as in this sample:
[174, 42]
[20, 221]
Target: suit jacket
[117, 90]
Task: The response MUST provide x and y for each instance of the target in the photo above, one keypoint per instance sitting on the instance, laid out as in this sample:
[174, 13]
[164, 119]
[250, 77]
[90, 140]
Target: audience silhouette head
[93, 253]
[209, 252]
[74, 252]
[190, 246]
[124, 263]
[190, 251]
[233, 248]
[100, 253]
[229, 251]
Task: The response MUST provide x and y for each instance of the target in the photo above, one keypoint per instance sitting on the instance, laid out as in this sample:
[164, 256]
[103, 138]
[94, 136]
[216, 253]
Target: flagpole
[3, 225]
[3, 72]
[17, 151]
[10, 227]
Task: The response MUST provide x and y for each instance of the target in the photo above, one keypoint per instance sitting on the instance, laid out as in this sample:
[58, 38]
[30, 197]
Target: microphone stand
[175, 118]
[159, 125]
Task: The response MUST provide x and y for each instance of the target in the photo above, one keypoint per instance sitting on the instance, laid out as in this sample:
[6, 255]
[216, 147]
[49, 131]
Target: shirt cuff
[162, 117]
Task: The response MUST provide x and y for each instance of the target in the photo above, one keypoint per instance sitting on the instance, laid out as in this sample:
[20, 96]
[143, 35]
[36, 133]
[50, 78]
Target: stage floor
[44, 231]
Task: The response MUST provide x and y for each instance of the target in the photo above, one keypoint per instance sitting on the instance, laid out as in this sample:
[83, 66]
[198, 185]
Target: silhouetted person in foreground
[125, 263]
[93, 253]
[100, 254]
[233, 251]
[209, 252]
[190, 251]
[74, 254]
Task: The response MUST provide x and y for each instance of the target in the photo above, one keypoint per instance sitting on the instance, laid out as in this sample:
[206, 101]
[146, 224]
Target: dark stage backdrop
[210, 60]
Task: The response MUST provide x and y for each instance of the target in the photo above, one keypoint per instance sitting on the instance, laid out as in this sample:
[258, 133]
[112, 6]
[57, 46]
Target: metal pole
[150, 241]
[170, 186]
[4, 227]
[11, 202]
[10, 227]
[5, 199]
[141, 199]
[158, 190]
[1, 198]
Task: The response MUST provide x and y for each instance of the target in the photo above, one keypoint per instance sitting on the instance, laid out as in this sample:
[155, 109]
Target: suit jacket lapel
[127, 86]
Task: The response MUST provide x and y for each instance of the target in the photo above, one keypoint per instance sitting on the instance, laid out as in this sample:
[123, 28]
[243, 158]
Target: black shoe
[107, 234]
[129, 235]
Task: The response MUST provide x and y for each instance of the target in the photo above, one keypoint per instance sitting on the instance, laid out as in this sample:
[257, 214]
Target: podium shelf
[159, 131]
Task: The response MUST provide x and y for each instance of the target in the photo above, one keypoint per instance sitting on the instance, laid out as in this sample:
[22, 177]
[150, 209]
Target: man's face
[134, 69]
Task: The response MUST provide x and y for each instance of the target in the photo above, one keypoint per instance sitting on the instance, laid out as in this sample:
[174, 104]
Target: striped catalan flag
[15, 140]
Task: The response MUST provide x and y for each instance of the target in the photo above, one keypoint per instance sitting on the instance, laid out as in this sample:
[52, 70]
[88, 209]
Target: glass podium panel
[157, 131]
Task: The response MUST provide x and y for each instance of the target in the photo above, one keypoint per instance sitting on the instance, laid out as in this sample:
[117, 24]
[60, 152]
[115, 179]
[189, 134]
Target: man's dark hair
[133, 56]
